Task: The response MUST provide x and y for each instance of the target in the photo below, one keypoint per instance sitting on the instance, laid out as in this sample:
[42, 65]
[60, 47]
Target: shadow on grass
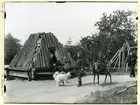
[70, 85]
[108, 83]
[44, 77]
[102, 85]
[88, 84]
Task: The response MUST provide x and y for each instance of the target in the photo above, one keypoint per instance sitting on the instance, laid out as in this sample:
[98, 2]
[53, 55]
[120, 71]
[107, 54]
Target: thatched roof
[37, 48]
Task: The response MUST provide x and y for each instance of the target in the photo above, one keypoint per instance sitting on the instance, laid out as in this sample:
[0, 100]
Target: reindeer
[98, 68]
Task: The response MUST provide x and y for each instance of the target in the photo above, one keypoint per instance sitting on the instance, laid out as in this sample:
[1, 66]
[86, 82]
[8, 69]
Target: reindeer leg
[105, 78]
[98, 78]
[110, 77]
[58, 84]
[94, 78]
[63, 83]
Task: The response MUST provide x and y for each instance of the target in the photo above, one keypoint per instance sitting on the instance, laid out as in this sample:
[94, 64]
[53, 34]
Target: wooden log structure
[120, 58]
[36, 51]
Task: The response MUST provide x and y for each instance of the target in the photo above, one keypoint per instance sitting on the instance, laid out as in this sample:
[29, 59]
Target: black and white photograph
[70, 52]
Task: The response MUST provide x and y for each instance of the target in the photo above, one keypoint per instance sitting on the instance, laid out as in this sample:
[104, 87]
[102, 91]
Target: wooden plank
[13, 61]
[18, 74]
[38, 61]
[26, 57]
[47, 51]
[59, 49]
[123, 61]
[49, 42]
[126, 67]
[47, 73]
[41, 59]
[112, 61]
[41, 54]
[57, 52]
[46, 40]
[115, 55]
[62, 51]
[30, 58]
[43, 50]
[24, 50]
[16, 60]
[15, 69]
[119, 63]
[31, 51]
[116, 63]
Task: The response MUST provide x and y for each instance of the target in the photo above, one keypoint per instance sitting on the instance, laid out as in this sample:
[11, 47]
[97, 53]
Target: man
[79, 67]
[52, 59]
[132, 60]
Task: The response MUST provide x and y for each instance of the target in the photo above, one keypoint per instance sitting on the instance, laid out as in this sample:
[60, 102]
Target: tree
[12, 46]
[117, 27]
[113, 31]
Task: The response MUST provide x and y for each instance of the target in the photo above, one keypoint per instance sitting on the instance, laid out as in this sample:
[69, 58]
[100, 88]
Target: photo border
[2, 32]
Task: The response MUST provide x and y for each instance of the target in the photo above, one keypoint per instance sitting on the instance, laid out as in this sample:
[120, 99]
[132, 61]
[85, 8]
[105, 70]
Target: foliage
[11, 47]
[113, 30]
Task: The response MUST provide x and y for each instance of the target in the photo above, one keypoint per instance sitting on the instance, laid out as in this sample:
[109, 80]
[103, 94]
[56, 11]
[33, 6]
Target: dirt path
[46, 91]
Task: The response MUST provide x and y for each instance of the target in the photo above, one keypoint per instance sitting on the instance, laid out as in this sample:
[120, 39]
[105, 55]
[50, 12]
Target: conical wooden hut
[36, 49]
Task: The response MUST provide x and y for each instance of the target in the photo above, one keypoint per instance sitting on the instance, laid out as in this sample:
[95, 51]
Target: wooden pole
[126, 68]
[119, 63]
[116, 62]
[123, 60]
[127, 60]
[114, 58]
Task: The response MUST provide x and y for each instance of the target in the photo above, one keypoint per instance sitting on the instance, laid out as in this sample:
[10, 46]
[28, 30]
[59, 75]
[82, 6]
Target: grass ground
[111, 96]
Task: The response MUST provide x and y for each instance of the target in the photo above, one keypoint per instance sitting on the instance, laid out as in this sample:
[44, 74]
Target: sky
[66, 20]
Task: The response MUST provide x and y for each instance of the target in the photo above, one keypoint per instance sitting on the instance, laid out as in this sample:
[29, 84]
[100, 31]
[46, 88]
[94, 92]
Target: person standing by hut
[52, 59]
[132, 60]
[79, 67]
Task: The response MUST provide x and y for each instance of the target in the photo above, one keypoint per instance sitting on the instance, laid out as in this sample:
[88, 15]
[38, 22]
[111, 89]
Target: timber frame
[119, 60]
